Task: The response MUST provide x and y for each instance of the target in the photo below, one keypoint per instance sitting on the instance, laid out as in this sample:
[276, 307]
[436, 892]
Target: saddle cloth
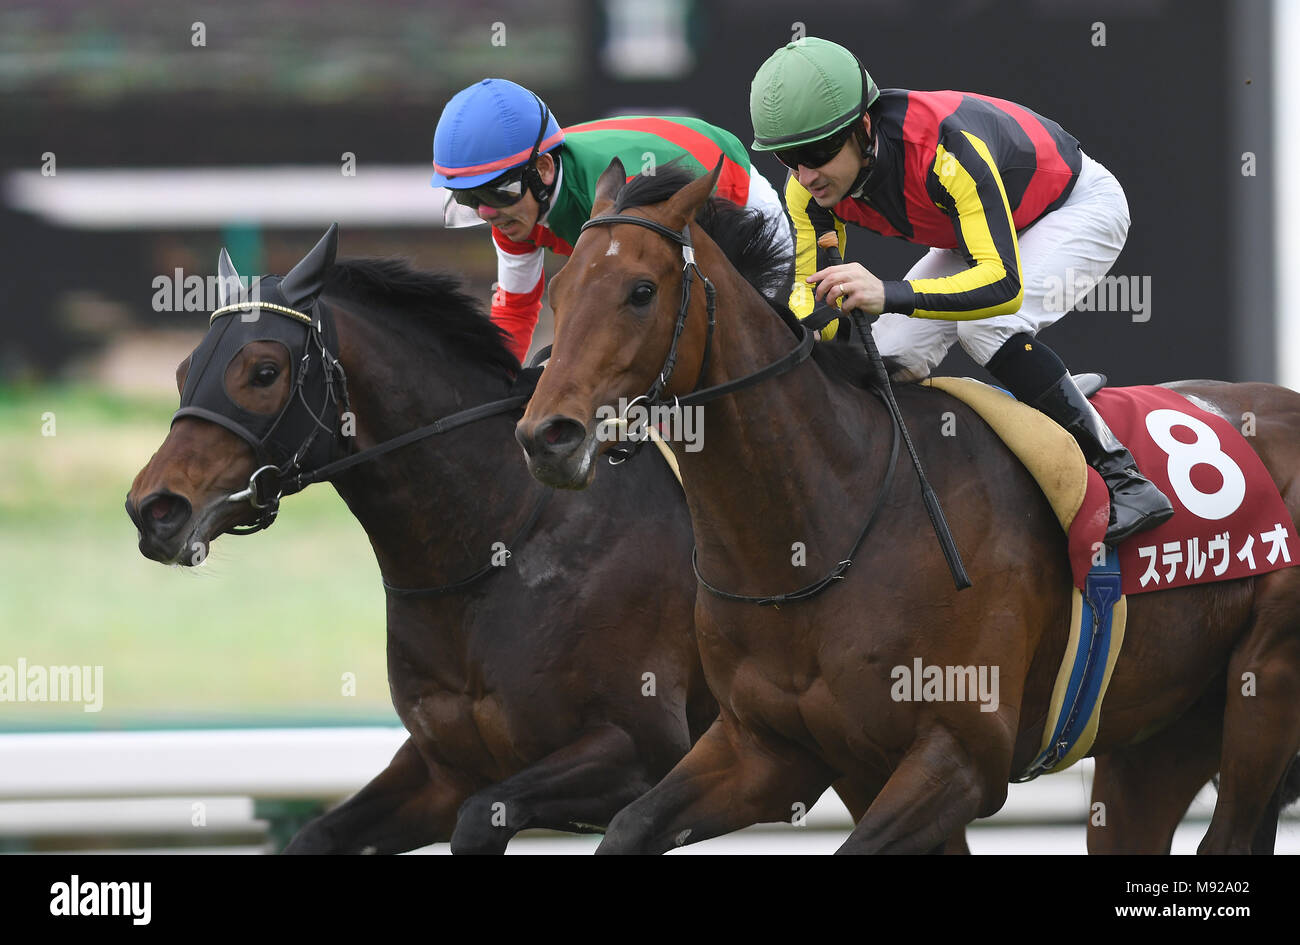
[1229, 522]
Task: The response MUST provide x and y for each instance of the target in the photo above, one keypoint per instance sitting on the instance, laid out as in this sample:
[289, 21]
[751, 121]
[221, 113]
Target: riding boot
[1036, 375]
[1135, 503]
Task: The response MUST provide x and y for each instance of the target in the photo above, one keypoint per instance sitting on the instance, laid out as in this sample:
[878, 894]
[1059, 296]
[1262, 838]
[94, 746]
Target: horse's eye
[642, 293]
[265, 374]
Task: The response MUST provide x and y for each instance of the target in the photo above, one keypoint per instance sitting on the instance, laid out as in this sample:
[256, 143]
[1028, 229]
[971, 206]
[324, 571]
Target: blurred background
[137, 137]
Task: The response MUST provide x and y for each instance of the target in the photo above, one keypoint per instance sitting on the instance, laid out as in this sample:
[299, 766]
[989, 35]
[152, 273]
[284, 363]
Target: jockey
[500, 152]
[1004, 198]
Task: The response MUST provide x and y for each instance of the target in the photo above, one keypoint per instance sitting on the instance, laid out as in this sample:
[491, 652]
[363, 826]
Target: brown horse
[789, 469]
[549, 692]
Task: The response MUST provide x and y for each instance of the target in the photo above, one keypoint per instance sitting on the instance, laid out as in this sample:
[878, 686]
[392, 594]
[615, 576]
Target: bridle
[689, 271]
[279, 471]
[282, 472]
[785, 363]
[698, 395]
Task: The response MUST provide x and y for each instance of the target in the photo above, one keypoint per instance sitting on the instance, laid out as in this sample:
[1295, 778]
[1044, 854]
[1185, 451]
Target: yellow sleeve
[970, 188]
[802, 210]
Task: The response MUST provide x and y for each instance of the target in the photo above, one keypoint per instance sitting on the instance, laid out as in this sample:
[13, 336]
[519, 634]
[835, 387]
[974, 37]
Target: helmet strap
[541, 191]
[544, 192]
[867, 146]
[866, 142]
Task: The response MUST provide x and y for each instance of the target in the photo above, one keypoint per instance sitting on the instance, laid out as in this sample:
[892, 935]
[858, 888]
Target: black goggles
[506, 191]
[815, 153]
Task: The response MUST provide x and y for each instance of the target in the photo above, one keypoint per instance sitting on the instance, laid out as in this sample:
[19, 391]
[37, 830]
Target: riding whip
[829, 242]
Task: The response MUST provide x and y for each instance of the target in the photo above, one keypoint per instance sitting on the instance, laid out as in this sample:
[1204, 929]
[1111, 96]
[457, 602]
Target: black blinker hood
[303, 435]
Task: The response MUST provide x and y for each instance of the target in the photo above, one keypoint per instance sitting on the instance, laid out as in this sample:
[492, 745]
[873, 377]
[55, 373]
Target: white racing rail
[188, 787]
[251, 789]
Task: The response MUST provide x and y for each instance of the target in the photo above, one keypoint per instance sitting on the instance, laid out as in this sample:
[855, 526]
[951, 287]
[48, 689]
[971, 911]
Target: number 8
[1183, 456]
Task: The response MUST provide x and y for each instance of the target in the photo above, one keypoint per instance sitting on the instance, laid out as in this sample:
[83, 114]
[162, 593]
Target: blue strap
[1102, 590]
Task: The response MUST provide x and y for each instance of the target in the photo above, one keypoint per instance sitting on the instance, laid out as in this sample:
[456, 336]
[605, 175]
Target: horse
[548, 691]
[796, 453]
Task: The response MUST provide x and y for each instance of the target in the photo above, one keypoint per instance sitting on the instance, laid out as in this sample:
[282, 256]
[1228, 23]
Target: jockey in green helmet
[1010, 206]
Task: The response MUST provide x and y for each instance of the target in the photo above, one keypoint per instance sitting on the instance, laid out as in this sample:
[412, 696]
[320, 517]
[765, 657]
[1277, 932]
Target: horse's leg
[402, 808]
[1261, 726]
[582, 785]
[1146, 788]
[1266, 836]
[935, 791]
[955, 845]
[729, 780]
[858, 801]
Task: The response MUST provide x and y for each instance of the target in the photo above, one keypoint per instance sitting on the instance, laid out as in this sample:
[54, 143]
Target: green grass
[263, 631]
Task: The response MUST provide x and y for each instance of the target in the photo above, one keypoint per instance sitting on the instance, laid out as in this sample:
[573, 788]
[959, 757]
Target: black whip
[829, 242]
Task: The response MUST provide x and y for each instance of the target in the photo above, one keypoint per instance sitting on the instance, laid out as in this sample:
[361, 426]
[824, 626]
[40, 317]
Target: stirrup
[1090, 383]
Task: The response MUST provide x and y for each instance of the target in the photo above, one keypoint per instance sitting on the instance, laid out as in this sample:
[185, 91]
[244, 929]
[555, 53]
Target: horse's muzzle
[159, 518]
[560, 451]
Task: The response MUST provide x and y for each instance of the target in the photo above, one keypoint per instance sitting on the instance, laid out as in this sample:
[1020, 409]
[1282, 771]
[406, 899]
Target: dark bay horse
[549, 693]
[795, 463]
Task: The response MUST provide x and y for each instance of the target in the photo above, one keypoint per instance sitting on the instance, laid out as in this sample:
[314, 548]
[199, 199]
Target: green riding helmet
[806, 91]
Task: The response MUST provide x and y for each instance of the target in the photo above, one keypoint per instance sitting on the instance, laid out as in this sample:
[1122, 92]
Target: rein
[787, 362]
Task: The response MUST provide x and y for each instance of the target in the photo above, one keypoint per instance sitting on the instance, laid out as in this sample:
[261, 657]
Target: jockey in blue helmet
[505, 159]
[486, 150]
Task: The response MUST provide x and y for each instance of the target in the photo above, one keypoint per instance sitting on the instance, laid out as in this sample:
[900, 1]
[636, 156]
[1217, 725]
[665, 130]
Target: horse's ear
[684, 204]
[305, 280]
[228, 287]
[611, 181]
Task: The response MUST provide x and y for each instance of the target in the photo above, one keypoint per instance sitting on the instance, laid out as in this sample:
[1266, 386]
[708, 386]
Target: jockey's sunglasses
[815, 153]
[506, 191]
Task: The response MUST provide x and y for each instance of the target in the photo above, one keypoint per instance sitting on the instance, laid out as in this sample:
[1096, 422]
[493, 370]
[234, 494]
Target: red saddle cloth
[1229, 519]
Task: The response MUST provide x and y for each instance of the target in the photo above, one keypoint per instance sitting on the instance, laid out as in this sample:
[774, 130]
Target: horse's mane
[752, 244]
[745, 236]
[434, 304]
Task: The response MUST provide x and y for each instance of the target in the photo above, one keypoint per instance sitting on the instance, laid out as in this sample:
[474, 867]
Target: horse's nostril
[162, 513]
[560, 435]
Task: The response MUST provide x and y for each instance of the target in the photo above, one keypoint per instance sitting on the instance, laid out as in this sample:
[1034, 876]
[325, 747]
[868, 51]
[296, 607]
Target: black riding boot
[1025, 366]
[1135, 502]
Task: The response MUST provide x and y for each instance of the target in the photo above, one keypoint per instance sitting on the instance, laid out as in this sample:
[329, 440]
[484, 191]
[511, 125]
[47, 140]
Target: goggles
[815, 153]
[506, 191]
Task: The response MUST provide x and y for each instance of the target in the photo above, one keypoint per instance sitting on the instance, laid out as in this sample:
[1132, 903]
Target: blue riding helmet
[488, 129]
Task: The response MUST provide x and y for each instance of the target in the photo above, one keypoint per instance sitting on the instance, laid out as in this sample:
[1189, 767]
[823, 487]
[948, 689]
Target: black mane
[434, 303]
[430, 308]
[753, 246]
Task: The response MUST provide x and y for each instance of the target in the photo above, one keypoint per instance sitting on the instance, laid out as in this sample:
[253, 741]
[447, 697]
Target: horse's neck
[431, 509]
[777, 466]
